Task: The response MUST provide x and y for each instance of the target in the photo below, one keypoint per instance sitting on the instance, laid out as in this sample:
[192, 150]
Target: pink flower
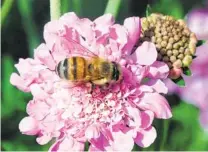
[196, 84]
[111, 119]
[197, 21]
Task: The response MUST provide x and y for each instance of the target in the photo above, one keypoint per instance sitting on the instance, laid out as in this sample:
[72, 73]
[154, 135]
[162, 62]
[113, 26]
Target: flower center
[175, 43]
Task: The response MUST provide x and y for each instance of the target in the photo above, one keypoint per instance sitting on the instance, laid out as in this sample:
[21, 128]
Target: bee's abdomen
[76, 68]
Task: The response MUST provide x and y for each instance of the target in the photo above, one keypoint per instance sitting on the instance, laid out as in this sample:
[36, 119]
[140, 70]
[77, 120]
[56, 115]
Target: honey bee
[88, 67]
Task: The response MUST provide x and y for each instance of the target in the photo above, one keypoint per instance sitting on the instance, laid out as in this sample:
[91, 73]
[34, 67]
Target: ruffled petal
[67, 143]
[29, 126]
[69, 19]
[92, 131]
[147, 118]
[134, 117]
[42, 53]
[122, 142]
[158, 86]
[17, 81]
[38, 92]
[197, 21]
[156, 103]
[119, 33]
[158, 70]
[146, 54]
[43, 139]
[146, 137]
[103, 23]
[37, 109]
[133, 26]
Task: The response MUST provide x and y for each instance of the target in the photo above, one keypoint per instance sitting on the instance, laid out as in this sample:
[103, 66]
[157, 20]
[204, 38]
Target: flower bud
[175, 43]
[175, 73]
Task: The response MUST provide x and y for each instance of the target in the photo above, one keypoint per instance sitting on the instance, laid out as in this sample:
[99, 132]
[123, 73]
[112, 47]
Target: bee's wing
[78, 49]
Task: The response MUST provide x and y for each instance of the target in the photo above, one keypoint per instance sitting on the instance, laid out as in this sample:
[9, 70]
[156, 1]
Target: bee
[88, 67]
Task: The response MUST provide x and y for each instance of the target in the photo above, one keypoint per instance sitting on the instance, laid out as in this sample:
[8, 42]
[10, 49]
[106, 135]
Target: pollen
[175, 43]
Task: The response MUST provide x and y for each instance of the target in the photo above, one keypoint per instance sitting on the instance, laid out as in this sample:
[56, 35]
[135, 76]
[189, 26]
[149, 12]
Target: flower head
[196, 84]
[175, 43]
[197, 21]
[111, 119]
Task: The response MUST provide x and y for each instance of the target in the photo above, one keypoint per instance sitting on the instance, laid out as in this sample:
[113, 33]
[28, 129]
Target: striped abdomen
[73, 69]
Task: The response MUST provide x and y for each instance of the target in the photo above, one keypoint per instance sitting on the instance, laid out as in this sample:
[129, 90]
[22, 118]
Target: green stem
[55, 9]
[113, 7]
[164, 134]
[77, 6]
[65, 6]
[26, 11]
[5, 10]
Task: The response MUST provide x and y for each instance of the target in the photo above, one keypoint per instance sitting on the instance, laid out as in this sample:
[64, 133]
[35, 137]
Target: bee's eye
[56, 71]
[58, 68]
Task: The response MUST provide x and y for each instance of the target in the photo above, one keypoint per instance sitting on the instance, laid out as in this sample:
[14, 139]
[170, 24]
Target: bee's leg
[100, 81]
[107, 85]
[92, 87]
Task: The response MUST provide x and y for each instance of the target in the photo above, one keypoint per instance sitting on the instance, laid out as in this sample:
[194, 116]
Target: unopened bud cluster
[175, 43]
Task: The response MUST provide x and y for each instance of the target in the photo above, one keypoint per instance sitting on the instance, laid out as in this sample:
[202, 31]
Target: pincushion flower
[196, 84]
[110, 120]
[174, 41]
[197, 21]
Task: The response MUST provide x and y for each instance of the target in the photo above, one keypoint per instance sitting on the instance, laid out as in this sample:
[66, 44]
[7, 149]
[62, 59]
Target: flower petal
[17, 81]
[147, 118]
[197, 21]
[38, 92]
[133, 26]
[44, 139]
[69, 19]
[146, 53]
[67, 143]
[158, 70]
[122, 141]
[158, 86]
[42, 53]
[119, 33]
[102, 23]
[92, 131]
[29, 126]
[146, 137]
[134, 117]
[156, 103]
[37, 109]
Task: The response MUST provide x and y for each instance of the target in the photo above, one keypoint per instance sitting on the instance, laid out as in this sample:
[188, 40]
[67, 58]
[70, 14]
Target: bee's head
[61, 69]
[116, 74]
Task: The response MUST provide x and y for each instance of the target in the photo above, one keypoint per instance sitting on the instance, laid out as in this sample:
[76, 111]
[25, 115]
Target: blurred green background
[22, 23]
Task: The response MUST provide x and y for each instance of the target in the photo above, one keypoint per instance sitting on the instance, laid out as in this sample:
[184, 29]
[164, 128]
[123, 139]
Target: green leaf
[113, 7]
[200, 42]
[77, 6]
[26, 12]
[188, 134]
[163, 6]
[148, 10]
[180, 81]
[5, 9]
[187, 71]
[66, 6]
